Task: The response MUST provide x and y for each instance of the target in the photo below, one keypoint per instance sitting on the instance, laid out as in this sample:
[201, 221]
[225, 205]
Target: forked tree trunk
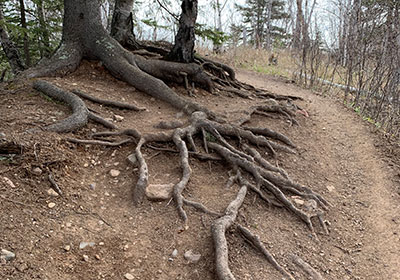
[183, 49]
[122, 24]
[9, 48]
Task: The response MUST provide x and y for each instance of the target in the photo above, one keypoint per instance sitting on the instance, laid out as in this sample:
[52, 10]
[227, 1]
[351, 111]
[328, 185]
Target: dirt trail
[353, 165]
[336, 157]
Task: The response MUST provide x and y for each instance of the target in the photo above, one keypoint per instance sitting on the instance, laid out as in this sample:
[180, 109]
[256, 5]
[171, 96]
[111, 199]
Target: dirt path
[336, 157]
[364, 187]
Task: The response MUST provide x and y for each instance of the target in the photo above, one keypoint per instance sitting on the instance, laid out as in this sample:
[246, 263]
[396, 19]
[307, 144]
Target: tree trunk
[25, 31]
[9, 48]
[122, 24]
[183, 49]
[85, 37]
[45, 51]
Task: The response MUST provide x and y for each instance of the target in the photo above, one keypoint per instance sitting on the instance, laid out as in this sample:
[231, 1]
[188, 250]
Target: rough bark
[183, 49]
[25, 31]
[122, 24]
[9, 48]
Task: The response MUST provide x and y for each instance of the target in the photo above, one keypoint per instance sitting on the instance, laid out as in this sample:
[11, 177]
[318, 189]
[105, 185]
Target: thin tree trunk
[45, 51]
[183, 49]
[25, 30]
[9, 48]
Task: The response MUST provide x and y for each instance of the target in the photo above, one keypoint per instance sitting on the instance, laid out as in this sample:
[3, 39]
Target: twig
[54, 184]
[307, 268]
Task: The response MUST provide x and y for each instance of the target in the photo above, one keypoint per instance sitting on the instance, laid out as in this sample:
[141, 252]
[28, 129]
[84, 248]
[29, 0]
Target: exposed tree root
[96, 118]
[255, 241]
[218, 229]
[79, 117]
[110, 103]
[307, 268]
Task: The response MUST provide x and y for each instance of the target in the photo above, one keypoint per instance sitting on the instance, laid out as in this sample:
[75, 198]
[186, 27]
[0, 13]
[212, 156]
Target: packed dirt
[339, 156]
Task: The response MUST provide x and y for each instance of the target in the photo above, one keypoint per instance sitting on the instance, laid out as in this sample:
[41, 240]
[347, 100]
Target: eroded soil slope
[338, 156]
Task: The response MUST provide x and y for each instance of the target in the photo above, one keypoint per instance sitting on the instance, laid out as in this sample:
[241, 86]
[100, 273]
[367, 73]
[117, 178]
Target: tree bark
[25, 31]
[122, 24]
[9, 48]
[183, 49]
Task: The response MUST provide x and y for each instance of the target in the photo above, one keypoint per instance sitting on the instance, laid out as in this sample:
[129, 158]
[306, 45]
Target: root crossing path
[340, 148]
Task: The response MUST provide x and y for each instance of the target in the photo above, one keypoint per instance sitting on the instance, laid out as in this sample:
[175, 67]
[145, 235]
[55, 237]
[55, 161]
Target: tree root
[79, 117]
[110, 103]
[143, 180]
[96, 118]
[218, 229]
[255, 241]
[307, 268]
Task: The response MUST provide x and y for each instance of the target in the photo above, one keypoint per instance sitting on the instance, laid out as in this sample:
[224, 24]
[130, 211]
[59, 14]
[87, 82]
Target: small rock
[68, 224]
[52, 192]
[174, 253]
[330, 188]
[83, 245]
[152, 99]
[51, 205]
[7, 255]
[94, 130]
[323, 128]
[192, 257]
[118, 118]
[132, 159]
[97, 257]
[129, 276]
[9, 182]
[67, 248]
[297, 200]
[2, 135]
[85, 258]
[92, 186]
[159, 192]
[114, 172]
[37, 171]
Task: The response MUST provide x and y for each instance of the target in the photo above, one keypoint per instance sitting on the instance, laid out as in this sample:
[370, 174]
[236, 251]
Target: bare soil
[339, 156]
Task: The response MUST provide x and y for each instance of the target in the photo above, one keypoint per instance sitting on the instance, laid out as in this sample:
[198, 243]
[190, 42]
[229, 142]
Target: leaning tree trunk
[9, 48]
[183, 49]
[122, 24]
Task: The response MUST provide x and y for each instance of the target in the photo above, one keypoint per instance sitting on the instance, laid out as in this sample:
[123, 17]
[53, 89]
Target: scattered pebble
[330, 188]
[52, 192]
[114, 172]
[86, 164]
[7, 255]
[92, 186]
[129, 276]
[174, 253]
[2, 135]
[37, 171]
[97, 257]
[83, 245]
[51, 205]
[132, 159]
[9, 182]
[192, 257]
[85, 258]
[118, 118]
[297, 200]
[67, 248]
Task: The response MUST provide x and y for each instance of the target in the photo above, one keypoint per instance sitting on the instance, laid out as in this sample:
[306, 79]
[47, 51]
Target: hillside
[338, 155]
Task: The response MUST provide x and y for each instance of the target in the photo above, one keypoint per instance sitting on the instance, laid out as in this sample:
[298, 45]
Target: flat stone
[192, 257]
[298, 200]
[83, 244]
[159, 192]
[7, 255]
[114, 172]
[174, 253]
[129, 276]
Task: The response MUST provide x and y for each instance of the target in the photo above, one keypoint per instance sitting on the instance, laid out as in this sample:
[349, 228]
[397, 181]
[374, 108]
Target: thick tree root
[110, 103]
[96, 118]
[255, 241]
[79, 117]
[218, 230]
